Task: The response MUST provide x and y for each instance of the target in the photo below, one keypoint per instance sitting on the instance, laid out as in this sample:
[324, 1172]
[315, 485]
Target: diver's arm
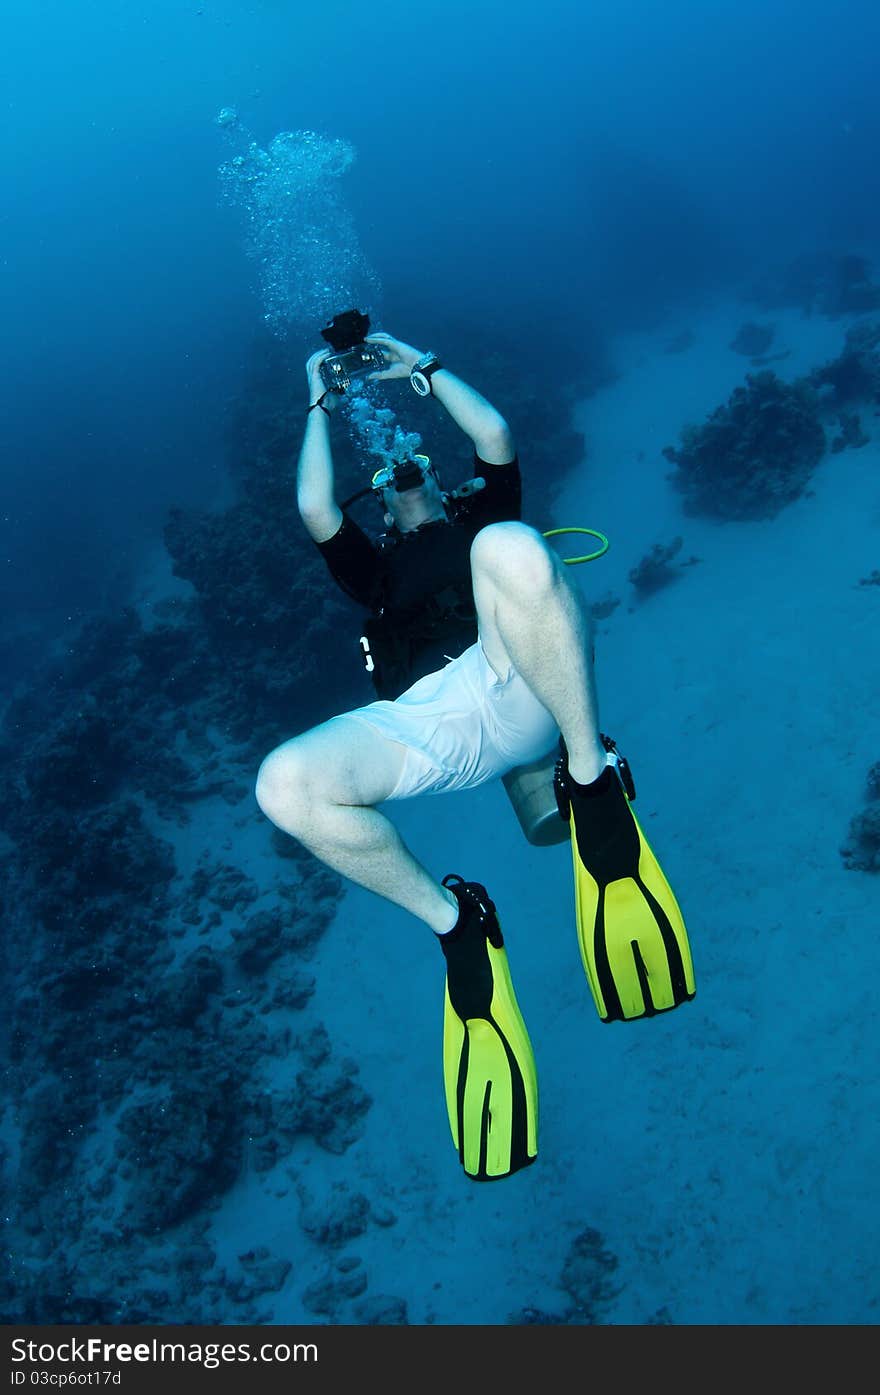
[315, 496]
[490, 433]
[492, 437]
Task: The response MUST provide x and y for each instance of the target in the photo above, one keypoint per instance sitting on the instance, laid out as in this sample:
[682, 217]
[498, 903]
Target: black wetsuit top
[417, 585]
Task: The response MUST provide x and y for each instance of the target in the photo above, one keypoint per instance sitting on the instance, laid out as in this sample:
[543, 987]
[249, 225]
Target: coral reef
[851, 437]
[342, 1216]
[754, 454]
[655, 570]
[263, 1273]
[854, 375]
[344, 1281]
[383, 1310]
[586, 1275]
[179, 1149]
[137, 1062]
[604, 606]
[824, 283]
[587, 1278]
[861, 850]
[752, 340]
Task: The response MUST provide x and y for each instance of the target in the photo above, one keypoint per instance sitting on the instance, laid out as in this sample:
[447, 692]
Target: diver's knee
[283, 784]
[270, 784]
[513, 555]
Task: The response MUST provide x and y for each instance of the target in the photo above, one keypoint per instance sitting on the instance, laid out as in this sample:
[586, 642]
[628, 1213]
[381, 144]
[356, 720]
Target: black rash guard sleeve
[353, 562]
[502, 497]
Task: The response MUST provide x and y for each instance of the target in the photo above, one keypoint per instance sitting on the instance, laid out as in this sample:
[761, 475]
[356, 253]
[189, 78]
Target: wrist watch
[422, 371]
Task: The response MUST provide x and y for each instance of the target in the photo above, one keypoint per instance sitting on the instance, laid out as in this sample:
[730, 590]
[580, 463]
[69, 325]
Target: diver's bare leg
[531, 615]
[321, 788]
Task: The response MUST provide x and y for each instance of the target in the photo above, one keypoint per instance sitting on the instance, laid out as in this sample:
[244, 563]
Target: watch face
[423, 368]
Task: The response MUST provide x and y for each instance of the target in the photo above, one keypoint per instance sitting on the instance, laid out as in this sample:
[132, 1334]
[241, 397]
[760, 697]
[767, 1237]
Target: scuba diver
[480, 650]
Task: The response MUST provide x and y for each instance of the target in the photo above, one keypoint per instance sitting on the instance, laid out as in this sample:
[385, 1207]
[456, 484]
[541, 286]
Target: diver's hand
[400, 357]
[317, 387]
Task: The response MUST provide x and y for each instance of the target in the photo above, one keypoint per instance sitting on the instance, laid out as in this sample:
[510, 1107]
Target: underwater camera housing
[351, 357]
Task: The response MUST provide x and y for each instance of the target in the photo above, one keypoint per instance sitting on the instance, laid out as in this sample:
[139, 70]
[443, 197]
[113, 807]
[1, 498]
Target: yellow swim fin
[488, 1063]
[633, 941]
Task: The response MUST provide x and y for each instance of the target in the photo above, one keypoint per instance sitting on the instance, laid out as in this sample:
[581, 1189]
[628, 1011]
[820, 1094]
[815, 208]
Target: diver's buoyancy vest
[426, 613]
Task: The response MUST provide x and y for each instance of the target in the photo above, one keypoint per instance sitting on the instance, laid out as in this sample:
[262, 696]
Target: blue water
[571, 190]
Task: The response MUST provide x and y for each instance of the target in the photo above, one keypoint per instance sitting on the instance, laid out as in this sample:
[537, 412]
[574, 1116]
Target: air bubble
[297, 227]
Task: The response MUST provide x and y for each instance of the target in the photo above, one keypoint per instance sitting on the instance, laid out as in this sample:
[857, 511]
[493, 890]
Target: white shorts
[461, 726]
